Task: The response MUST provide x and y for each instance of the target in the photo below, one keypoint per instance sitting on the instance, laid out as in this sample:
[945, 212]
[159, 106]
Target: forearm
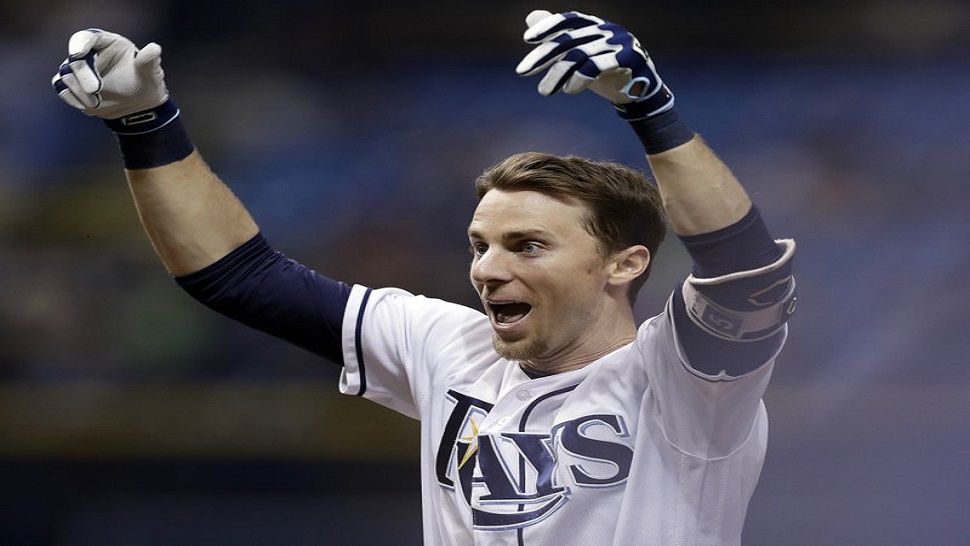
[190, 216]
[700, 193]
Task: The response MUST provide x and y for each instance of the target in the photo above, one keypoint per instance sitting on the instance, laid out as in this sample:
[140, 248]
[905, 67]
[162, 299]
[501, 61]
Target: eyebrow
[516, 235]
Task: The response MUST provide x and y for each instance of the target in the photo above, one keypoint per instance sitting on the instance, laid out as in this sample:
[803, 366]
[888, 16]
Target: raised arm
[191, 217]
[580, 51]
[731, 311]
[200, 230]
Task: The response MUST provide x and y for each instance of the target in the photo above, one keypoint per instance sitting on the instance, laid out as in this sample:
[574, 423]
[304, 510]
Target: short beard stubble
[518, 351]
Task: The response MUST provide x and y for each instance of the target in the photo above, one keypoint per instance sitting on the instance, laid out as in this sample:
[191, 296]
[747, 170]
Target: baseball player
[548, 417]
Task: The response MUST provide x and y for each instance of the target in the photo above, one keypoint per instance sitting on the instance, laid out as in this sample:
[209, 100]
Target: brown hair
[625, 209]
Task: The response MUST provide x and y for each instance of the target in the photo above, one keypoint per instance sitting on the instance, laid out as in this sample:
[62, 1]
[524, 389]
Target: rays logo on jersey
[516, 479]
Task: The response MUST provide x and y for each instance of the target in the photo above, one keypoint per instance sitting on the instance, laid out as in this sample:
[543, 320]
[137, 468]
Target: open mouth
[509, 312]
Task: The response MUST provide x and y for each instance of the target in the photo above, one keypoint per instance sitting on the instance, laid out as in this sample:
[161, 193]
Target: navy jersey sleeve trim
[261, 288]
[712, 355]
[358, 346]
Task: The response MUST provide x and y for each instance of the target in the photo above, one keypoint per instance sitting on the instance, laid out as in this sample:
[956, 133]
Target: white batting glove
[582, 51]
[105, 75]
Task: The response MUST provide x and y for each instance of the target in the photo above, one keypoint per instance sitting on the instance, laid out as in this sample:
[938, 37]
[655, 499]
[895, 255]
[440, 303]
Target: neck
[540, 367]
[592, 346]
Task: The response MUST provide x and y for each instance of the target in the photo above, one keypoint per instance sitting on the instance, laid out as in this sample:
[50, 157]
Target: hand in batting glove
[105, 75]
[583, 51]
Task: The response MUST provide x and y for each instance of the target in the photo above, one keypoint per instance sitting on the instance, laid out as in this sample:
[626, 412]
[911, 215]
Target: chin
[520, 350]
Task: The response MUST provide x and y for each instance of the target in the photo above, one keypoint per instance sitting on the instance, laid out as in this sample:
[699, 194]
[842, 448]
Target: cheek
[585, 275]
[576, 288]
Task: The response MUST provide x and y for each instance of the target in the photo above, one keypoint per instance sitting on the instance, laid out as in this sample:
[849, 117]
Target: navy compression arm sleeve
[265, 290]
[742, 246]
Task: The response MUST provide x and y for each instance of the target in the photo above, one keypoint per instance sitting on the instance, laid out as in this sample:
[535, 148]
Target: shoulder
[656, 335]
[395, 303]
[419, 323]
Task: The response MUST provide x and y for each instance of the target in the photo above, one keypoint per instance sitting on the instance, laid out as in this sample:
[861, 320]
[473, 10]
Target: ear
[627, 264]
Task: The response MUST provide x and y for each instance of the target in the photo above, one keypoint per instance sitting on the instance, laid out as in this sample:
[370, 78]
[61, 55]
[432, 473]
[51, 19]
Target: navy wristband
[152, 138]
[662, 132]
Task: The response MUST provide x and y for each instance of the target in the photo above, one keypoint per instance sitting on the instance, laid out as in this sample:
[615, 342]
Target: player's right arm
[200, 230]
[190, 216]
[210, 243]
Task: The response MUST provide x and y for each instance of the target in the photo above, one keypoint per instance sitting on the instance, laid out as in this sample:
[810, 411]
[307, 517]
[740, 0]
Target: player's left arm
[731, 312]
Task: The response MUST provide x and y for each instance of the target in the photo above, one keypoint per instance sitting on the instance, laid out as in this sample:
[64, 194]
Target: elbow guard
[746, 305]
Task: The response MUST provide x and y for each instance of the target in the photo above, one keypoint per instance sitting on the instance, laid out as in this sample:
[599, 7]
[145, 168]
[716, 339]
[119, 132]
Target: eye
[477, 249]
[530, 247]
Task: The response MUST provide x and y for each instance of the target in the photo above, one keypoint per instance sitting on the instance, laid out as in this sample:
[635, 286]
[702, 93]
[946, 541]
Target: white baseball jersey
[635, 448]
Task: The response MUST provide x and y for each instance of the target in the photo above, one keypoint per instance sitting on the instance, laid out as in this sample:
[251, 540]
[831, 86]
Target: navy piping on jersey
[357, 345]
[522, 424]
[528, 411]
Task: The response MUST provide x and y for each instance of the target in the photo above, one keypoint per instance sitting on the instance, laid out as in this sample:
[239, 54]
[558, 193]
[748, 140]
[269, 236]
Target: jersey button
[501, 422]
[523, 395]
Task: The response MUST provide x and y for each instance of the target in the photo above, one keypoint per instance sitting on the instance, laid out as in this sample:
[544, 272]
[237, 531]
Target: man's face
[539, 273]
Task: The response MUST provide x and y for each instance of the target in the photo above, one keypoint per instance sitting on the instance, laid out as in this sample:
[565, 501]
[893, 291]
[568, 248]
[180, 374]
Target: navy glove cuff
[145, 121]
[661, 101]
[152, 138]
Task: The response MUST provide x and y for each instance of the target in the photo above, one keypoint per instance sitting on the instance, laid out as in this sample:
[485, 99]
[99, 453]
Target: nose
[492, 267]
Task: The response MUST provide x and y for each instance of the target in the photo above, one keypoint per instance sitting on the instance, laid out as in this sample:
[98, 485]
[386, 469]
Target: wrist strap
[662, 132]
[145, 121]
[152, 138]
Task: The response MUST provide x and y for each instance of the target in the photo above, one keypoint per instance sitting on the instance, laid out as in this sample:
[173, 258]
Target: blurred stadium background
[130, 415]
